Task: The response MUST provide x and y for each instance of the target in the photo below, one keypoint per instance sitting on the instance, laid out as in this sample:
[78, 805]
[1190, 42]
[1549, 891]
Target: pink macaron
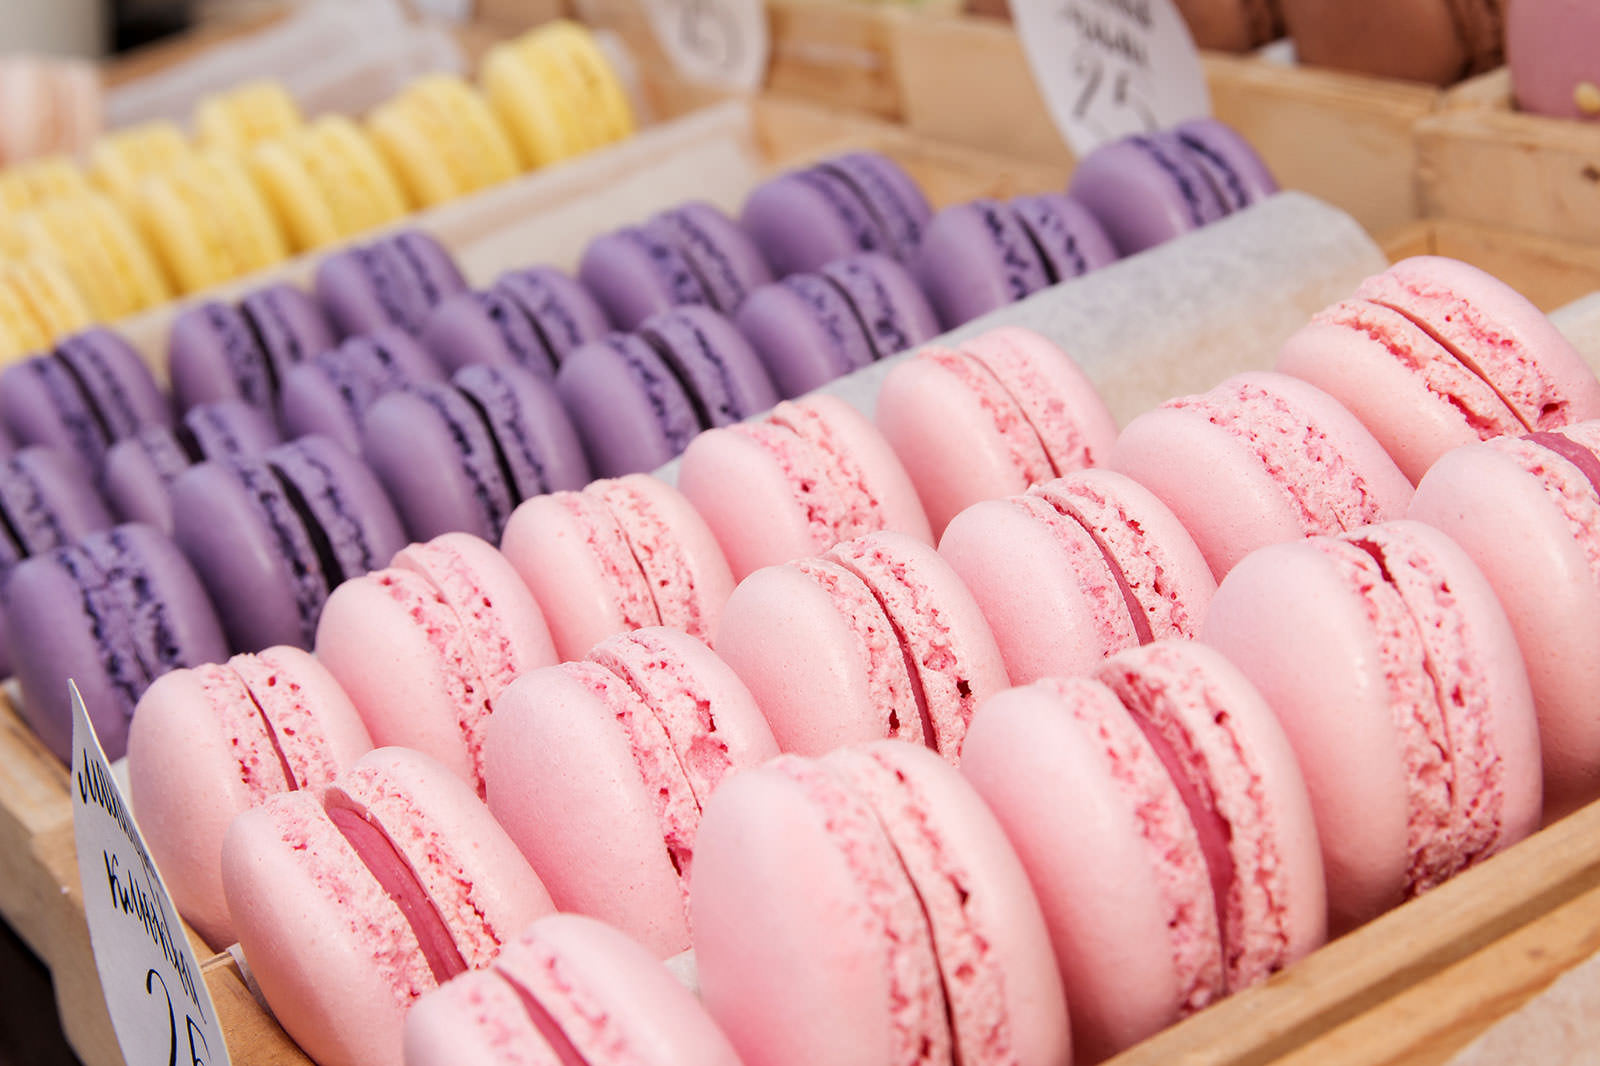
[426, 645]
[865, 908]
[599, 769]
[875, 638]
[621, 554]
[1078, 568]
[1259, 459]
[568, 990]
[352, 904]
[1434, 353]
[809, 474]
[989, 417]
[1164, 824]
[1397, 677]
[247, 729]
[1527, 511]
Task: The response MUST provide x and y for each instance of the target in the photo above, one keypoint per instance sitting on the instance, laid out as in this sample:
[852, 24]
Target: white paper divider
[1580, 322]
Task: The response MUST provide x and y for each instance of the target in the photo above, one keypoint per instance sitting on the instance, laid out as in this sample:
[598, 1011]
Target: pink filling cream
[1023, 443]
[566, 1054]
[830, 485]
[608, 545]
[451, 575]
[1036, 397]
[1137, 616]
[1568, 478]
[580, 1026]
[1112, 620]
[659, 555]
[291, 722]
[263, 770]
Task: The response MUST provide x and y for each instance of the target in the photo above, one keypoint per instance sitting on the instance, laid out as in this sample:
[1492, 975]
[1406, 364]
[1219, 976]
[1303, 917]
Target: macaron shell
[630, 410]
[413, 440]
[328, 395]
[1245, 178]
[798, 226]
[975, 258]
[720, 252]
[804, 332]
[635, 273]
[1143, 194]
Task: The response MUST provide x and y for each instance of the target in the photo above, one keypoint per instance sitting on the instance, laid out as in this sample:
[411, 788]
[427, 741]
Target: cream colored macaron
[209, 222]
[442, 140]
[327, 181]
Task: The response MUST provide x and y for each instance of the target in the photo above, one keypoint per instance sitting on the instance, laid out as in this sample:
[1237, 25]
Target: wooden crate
[1480, 160]
[1550, 272]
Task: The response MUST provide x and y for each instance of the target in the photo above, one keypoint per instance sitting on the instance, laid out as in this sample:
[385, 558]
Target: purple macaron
[692, 255]
[811, 328]
[638, 398]
[271, 536]
[980, 256]
[861, 202]
[329, 394]
[91, 391]
[113, 611]
[531, 318]
[396, 280]
[139, 472]
[223, 351]
[460, 455]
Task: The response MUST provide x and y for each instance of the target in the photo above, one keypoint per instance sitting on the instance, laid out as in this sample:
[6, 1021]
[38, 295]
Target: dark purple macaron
[983, 255]
[396, 280]
[139, 472]
[329, 394]
[529, 318]
[811, 328]
[1239, 175]
[461, 455]
[113, 611]
[861, 202]
[273, 535]
[639, 398]
[692, 255]
[88, 393]
[223, 351]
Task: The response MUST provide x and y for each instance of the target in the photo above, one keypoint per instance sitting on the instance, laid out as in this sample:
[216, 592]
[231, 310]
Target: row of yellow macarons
[156, 214]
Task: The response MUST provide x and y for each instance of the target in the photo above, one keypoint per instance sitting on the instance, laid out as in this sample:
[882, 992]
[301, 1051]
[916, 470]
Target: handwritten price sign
[720, 43]
[1108, 68]
[160, 1006]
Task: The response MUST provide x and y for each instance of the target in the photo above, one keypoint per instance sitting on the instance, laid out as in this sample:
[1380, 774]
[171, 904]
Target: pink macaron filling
[659, 556]
[1023, 442]
[263, 768]
[292, 725]
[566, 1054]
[1003, 352]
[1568, 470]
[1585, 460]
[608, 545]
[829, 484]
[1098, 536]
[452, 576]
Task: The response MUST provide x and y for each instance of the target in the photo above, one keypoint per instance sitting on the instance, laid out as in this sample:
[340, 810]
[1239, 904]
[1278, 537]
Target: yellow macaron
[557, 93]
[442, 140]
[327, 181]
[245, 116]
[38, 304]
[99, 249]
[27, 185]
[120, 162]
[209, 223]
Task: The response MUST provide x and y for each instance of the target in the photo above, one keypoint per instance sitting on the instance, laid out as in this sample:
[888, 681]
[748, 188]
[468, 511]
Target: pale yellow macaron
[38, 304]
[27, 185]
[245, 116]
[327, 181]
[120, 162]
[557, 93]
[97, 246]
[209, 223]
[442, 140]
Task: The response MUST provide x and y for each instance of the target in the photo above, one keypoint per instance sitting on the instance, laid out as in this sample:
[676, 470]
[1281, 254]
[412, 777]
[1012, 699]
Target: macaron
[599, 770]
[272, 536]
[1526, 510]
[327, 182]
[461, 455]
[121, 159]
[441, 140]
[354, 902]
[113, 611]
[39, 305]
[871, 889]
[1552, 73]
[396, 280]
[568, 989]
[875, 638]
[985, 254]
[329, 393]
[533, 318]
[1165, 827]
[693, 255]
[1232, 25]
[250, 728]
[208, 222]
[858, 202]
[225, 351]
[990, 416]
[1238, 173]
[1259, 459]
[1077, 569]
[622, 554]
[88, 392]
[100, 249]
[37, 181]
[811, 473]
[138, 472]
[812, 328]
[245, 115]
[1434, 41]
[426, 646]
[1435, 353]
[556, 92]
[638, 399]
[1397, 678]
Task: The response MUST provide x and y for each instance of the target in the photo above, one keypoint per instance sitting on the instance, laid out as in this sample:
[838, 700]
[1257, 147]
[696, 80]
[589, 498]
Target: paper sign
[158, 1000]
[1109, 68]
[720, 43]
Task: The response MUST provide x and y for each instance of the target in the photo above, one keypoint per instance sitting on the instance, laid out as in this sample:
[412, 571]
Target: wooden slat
[1549, 272]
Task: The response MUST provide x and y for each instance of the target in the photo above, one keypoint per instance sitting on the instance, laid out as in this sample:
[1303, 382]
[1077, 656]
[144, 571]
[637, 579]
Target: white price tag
[158, 1000]
[1108, 68]
[720, 43]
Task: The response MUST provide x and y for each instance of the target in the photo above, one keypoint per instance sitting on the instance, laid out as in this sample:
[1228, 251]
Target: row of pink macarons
[1416, 856]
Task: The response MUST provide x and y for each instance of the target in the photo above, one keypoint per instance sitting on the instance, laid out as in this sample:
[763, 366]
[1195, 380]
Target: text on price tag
[720, 43]
[1109, 68]
[158, 1000]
